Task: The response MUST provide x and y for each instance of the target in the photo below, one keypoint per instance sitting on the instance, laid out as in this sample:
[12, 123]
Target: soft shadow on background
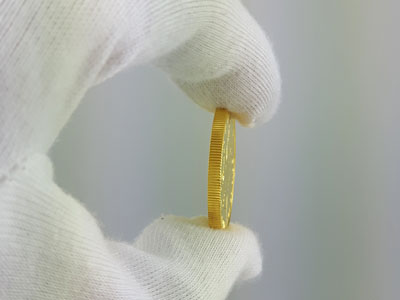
[319, 183]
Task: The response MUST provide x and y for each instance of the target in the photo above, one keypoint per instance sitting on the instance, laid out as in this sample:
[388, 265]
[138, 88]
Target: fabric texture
[51, 53]
[52, 248]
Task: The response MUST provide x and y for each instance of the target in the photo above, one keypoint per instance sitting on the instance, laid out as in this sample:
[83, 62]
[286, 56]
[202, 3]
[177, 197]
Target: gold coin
[221, 169]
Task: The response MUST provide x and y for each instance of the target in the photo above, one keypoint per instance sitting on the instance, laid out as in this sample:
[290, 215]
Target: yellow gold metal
[221, 169]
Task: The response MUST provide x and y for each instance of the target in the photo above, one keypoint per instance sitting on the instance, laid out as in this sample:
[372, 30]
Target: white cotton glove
[51, 53]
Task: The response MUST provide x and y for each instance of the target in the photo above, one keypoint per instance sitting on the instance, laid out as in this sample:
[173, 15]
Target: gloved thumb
[185, 257]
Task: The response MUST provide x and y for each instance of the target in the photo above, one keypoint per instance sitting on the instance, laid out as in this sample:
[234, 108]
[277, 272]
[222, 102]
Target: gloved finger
[227, 63]
[52, 52]
[213, 49]
[183, 256]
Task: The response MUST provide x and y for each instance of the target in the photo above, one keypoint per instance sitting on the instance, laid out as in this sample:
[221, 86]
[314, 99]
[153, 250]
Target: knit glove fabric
[51, 53]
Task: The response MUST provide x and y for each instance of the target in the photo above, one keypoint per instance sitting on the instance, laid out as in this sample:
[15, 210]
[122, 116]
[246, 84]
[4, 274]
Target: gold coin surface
[221, 169]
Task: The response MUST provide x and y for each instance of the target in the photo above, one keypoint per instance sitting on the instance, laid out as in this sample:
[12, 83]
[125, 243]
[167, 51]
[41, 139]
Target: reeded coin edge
[221, 120]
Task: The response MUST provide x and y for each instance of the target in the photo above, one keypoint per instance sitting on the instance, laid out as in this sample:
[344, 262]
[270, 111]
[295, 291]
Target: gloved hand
[51, 53]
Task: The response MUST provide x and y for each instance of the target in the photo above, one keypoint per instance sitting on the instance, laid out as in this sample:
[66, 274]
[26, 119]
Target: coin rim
[221, 120]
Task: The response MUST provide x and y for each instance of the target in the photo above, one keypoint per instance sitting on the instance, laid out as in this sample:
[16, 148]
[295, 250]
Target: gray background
[319, 183]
